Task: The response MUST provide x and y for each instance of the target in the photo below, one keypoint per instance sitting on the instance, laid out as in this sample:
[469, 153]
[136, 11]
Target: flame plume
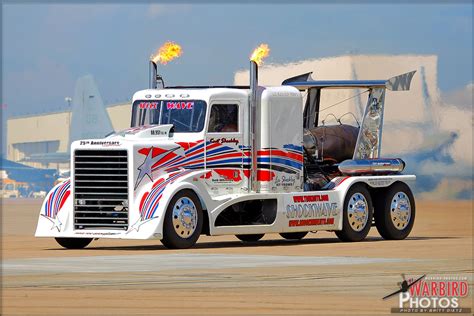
[166, 53]
[259, 53]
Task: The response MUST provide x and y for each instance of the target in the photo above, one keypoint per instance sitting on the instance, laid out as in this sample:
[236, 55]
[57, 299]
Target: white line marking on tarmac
[157, 263]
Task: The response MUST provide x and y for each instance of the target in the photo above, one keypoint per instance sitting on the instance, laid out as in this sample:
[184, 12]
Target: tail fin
[89, 117]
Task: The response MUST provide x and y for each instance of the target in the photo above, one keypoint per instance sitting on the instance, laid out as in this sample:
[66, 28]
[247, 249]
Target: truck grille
[100, 189]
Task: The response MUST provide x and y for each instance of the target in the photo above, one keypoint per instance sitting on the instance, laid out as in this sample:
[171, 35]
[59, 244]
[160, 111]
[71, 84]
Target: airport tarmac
[222, 276]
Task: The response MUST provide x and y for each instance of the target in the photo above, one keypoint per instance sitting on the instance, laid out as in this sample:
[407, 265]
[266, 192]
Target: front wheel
[73, 243]
[396, 215]
[183, 221]
[357, 214]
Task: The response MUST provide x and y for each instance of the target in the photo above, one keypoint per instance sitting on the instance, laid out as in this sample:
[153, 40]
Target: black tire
[173, 239]
[294, 236]
[351, 232]
[398, 194]
[250, 238]
[73, 243]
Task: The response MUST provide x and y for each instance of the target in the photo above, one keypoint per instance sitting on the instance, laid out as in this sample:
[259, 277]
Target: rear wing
[370, 134]
[398, 83]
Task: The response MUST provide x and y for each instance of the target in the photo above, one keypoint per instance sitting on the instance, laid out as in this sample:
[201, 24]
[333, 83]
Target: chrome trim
[252, 124]
[369, 140]
[153, 84]
[185, 217]
[400, 210]
[371, 166]
[357, 212]
[100, 194]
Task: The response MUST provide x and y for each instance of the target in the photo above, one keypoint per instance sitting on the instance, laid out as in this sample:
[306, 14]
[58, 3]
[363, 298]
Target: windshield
[186, 116]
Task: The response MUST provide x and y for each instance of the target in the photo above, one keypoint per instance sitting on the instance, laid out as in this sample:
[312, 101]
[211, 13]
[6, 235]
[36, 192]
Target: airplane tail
[89, 117]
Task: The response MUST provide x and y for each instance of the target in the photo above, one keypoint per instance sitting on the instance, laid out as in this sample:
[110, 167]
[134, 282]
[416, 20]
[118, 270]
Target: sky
[46, 47]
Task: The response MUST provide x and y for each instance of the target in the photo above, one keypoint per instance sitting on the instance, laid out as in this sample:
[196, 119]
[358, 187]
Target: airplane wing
[22, 173]
[411, 284]
[392, 294]
[59, 157]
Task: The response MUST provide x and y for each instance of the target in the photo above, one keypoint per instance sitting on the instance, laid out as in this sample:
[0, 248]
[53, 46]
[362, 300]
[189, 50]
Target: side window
[224, 118]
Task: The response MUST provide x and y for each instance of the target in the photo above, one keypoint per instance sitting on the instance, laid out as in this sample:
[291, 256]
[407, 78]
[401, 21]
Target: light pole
[68, 100]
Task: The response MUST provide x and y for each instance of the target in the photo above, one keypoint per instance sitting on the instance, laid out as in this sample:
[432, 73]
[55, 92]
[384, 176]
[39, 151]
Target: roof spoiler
[299, 78]
[398, 83]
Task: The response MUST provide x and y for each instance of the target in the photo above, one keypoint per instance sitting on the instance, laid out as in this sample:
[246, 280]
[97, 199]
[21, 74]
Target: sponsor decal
[179, 105]
[224, 140]
[431, 294]
[380, 182]
[226, 176]
[104, 143]
[148, 105]
[311, 222]
[311, 210]
[157, 132]
[310, 198]
[285, 181]
[95, 234]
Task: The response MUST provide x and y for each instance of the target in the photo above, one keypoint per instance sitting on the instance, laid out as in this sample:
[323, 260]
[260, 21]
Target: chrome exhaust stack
[155, 80]
[252, 124]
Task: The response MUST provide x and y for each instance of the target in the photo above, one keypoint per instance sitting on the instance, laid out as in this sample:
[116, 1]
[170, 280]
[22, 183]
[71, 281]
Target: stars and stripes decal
[216, 156]
[57, 199]
[223, 160]
[288, 160]
[192, 155]
[55, 202]
[151, 199]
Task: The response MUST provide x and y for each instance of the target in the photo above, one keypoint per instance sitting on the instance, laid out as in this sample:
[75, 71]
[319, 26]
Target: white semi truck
[234, 160]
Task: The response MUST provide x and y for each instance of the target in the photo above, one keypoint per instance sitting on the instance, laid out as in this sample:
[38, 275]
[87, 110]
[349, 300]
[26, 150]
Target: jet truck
[234, 160]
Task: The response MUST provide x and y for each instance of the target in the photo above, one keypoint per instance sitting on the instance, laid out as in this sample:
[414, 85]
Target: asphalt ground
[223, 276]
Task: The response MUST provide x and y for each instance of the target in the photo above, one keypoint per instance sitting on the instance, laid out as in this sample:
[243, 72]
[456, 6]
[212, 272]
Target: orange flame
[166, 53]
[260, 53]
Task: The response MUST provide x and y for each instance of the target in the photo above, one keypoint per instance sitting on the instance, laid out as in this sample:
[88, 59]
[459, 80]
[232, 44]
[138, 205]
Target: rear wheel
[250, 238]
[357, 214]
[183, 221]
[73, 243]
[395, 217]
[294, 236]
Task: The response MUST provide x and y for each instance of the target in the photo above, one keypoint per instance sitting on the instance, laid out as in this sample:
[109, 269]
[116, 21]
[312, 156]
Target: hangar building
[411, 117]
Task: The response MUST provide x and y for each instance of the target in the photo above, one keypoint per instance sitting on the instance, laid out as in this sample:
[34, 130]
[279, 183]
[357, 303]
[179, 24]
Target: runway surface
[221, 275]
[156, 263]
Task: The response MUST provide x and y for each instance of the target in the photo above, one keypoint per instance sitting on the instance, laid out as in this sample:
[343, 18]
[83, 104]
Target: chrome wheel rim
[357, 212]
[400, 210]
[184, 217]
